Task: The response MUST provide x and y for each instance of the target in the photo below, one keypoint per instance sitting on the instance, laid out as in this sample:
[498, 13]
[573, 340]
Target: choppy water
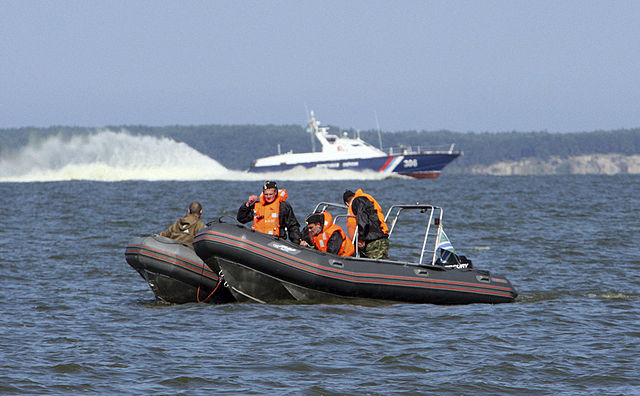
[77, 319]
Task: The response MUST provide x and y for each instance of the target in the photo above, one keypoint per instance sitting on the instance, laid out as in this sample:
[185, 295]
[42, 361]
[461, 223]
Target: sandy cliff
[603, 164]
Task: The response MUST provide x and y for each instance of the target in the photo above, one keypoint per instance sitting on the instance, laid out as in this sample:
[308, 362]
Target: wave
[614, 296]
[480, 248]
[117, 156]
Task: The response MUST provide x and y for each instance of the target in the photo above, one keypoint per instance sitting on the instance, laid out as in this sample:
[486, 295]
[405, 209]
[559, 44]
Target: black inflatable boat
[174, 272]
[262, 268]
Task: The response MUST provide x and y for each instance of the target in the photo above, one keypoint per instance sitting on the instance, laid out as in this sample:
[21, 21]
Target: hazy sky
[425, 65]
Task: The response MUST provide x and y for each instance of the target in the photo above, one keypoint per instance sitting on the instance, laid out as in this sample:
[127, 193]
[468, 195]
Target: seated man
[327, 236]
[271, 213]
[186, 228]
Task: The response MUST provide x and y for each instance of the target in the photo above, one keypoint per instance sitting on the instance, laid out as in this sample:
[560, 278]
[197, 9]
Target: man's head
[347, 197]
[270, 191]
[314, 223]
[195, 208]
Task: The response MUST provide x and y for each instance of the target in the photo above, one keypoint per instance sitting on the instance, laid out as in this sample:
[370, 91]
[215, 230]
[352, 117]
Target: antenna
[311, 127]
[378, 126]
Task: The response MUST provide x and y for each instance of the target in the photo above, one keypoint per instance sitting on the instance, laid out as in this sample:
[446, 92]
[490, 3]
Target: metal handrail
[408, 149]
[354, 239]
[434, 219]
[325, 205]
[423, 208]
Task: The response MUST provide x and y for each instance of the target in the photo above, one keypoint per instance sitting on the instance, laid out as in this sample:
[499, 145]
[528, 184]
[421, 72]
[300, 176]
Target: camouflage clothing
[378, 249]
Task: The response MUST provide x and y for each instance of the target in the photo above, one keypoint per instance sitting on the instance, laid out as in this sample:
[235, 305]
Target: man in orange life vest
[271, 213]
[327, 236]
[373, 233]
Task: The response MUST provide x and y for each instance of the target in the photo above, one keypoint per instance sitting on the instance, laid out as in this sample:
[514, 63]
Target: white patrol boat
[346, 153]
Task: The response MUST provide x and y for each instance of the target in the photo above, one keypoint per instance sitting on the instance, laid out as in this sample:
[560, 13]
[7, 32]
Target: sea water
[76, 318]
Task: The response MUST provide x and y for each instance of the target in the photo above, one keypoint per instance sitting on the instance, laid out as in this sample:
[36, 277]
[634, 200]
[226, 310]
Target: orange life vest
[351, 220]
[266, 217]
[328, 228]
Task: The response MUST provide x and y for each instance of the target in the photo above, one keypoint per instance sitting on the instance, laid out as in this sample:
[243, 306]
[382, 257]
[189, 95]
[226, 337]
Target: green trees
[235, 146]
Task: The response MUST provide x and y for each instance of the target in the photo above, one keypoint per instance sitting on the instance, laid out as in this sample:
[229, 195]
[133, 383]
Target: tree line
[236, 146]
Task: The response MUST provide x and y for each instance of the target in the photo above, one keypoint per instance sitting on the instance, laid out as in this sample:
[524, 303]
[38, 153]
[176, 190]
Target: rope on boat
[214, 289]
[248, 296]
[211, 294]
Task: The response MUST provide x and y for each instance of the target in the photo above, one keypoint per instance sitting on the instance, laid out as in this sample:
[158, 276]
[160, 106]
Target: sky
[557, 66]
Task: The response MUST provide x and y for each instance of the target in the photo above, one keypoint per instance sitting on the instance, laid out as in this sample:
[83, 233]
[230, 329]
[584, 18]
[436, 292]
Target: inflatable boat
[174, 272]
[262, 268]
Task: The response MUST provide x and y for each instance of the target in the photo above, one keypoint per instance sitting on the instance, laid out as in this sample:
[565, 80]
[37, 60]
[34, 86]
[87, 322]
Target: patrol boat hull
[174, 272]
[258, 267]
[420, 166]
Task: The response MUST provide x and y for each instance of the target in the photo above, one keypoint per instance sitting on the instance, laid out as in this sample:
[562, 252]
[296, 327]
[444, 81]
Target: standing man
[271, 213]
[186, 228]
[373, 233]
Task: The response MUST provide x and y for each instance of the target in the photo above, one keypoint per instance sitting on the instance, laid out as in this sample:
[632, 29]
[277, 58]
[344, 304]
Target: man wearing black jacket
[271, 213]
[373, 238]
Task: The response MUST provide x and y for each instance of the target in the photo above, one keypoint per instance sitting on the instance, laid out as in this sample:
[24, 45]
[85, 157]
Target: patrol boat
[346, 153]
[263, 268]
[174, 272]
